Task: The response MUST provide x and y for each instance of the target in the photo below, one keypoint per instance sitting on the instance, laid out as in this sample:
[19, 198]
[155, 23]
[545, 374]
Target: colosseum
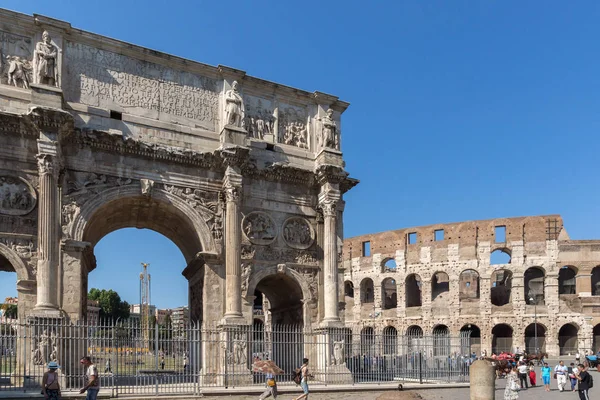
[511, 283]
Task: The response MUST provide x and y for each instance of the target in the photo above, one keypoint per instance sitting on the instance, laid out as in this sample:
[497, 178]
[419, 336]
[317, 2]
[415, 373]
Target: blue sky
[459, 110]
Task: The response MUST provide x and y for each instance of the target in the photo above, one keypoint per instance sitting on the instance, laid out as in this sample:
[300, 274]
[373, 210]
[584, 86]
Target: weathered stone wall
[532, 242]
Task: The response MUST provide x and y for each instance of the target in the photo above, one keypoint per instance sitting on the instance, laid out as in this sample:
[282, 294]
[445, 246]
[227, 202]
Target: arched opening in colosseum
[390, 340]
[389, 265]
[367, 341]
[349, 289]
[440, 284]
[414, 330]
[596, 338]
[502, 338]
[500, 256]
[534, 285]
[367, 294]
[441, 340]
[501, 290]
[388, 289]
[412, 297]
[596, 281]
[567, 339]
[414, 338]
[530, 338]
[566, 280]
[469, 285]
[470, 337]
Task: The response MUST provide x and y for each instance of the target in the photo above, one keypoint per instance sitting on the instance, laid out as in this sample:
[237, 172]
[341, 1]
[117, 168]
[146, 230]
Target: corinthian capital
[232, 185]
[329, 208]
[232, 193]
[47, 164]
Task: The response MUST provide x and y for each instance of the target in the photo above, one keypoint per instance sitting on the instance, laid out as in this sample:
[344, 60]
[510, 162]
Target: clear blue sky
[459, 110]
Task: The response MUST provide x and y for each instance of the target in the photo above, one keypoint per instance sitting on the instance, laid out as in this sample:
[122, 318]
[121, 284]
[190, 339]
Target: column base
[331, 323]
[45, 310]
[233, 319]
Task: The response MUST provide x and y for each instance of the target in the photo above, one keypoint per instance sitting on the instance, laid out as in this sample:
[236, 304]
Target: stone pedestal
[225, 357]
[329, 357]
[46, 96]
[233, 135]
[482, 380]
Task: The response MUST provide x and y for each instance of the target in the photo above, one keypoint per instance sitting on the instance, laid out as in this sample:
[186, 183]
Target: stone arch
[389, 295]
[501, 290]
[413, 294]
[596, 338]
[566, 280]
[500, 256]
[595, 278]
[388, 265]
[367, 291]
[262, 273]
[469, 285]
[390, 340]
[440, 284]
[367, 340]
[348, 289]
[441, 340]
[470, 337]
[502, 338]
[568, 335]
[414, 330]
[534, 285]
[530, 338]
[191, 234]
[23, 273]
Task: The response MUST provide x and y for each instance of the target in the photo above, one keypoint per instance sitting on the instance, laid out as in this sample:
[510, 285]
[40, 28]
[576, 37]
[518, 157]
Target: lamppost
[532, 300]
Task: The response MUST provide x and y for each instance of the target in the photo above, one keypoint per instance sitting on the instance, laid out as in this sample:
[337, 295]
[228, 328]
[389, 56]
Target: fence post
[420, 367]
[156, 354]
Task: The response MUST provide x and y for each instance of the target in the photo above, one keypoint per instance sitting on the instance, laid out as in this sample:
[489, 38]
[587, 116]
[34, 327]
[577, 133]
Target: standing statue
[330, 137]
[338, 352]
[234, 106]
[45, 69]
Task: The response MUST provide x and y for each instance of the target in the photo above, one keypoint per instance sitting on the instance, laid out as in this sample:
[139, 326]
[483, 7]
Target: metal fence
[183, 360]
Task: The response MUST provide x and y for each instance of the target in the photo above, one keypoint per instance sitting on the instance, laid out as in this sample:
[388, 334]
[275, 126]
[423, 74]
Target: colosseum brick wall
[493, 278]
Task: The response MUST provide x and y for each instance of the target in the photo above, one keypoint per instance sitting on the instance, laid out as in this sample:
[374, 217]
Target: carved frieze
[82, 185]
[259, 228]
[259, 120]
[17, 196]
[293, 126]
[298, 233]
[15, 60]
[270, 253]
[100, 78]
[25, 247]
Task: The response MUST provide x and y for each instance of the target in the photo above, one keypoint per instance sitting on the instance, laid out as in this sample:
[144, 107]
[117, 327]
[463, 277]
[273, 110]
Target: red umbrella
[266, 367]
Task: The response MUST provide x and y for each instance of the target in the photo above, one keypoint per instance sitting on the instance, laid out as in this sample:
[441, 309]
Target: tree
[110, 303]
[10, 311]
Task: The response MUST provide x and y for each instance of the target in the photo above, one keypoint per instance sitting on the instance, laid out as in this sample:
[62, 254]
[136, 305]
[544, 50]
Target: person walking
[50, 385]
[162, 362]
[511, 391]
[107, 366]
[304, 372]
[585, 382]
[523, 370]
[271, 389]
[561, 372]
[546, 370]
[532, 376]
[92, 387]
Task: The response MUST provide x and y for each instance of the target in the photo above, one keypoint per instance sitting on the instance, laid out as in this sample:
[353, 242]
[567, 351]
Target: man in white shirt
[523, 370]
[561, 375]
[93, 381]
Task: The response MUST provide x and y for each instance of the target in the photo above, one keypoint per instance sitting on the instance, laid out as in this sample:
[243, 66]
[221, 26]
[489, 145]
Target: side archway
[502, 339]
[367, 292]
[566, 280]
[535, 338]
[534, 285]
[501, 291]
[389, 296]
[567, 339]
[413, 297]
[13, 259]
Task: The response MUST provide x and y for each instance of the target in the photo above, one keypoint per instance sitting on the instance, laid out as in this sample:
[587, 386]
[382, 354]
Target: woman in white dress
[512, 385]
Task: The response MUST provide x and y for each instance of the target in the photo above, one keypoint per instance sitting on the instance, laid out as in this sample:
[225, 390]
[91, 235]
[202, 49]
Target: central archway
[285, 299]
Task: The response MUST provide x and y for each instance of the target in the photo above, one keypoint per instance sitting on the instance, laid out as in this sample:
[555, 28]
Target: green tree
[10, 310]
[110, 303]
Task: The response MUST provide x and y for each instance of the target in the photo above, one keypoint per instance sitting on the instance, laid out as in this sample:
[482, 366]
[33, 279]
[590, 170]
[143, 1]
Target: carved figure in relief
[329, 136]
[297, 233]
[239, 351]
[15, 196]
[259, 228]
[246, 272]
[44, 58]
[147, 185]
[234, 106]
[338, 352]
[18, 71]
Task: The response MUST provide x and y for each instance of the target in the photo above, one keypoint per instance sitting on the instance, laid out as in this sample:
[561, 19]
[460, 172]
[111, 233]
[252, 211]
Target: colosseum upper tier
[512, 283]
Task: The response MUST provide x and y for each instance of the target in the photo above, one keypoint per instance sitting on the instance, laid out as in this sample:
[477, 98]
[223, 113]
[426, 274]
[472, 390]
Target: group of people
[578, 375]
[301, 377]
[51, 384]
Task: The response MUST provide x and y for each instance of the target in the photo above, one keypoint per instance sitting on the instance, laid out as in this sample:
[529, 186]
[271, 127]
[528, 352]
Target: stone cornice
[335, 175]
[51, 120]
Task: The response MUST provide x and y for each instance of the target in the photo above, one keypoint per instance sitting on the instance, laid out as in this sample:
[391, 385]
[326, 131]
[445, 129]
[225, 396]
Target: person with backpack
[303, 375]
[50, 385]
[586, 382]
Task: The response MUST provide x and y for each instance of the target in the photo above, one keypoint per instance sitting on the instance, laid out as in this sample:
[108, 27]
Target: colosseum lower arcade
[513, 284]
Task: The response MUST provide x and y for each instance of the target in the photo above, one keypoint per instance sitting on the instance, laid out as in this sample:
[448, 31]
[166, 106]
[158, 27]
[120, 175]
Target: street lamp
[531, 300]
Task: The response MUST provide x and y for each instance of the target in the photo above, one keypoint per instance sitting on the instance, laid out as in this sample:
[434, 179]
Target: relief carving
[24, 247]
[68, 216]
[269, 253]
[337, 358]
[19, 72]
[246, 273]
[234, 106]
[259, 228]
[259, 120]
[297, 233]
[146, 185]
[293, 126]
[44, 348]
[45, 69]
[15, 56]
[17, 197]
[329, 136]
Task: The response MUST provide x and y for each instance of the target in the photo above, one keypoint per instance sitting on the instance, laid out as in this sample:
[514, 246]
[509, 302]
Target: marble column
[330, 258]
[48, 233]
[232, 186]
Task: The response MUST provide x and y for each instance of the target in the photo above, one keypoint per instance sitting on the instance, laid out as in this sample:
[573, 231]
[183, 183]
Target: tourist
[271, 389]
[304, 382]
[93, 381]
[162, 362]
[511, 392]
[532, 376]
[523, 370]
[185, 363]
[50, 385]
[561, 372]
[107, 366]
[573, 371]
[577, 357]
[585, 380]
[546, 370]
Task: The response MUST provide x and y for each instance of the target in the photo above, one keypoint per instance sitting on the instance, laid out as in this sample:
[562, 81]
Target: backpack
[298, 376]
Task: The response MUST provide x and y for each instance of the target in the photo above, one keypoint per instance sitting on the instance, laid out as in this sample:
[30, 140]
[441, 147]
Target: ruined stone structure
[447, 278]
[245, 176]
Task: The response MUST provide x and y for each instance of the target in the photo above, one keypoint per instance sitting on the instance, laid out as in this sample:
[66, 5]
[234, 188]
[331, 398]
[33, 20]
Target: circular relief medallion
[259, 228]
[17, 196]
[297, 233]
